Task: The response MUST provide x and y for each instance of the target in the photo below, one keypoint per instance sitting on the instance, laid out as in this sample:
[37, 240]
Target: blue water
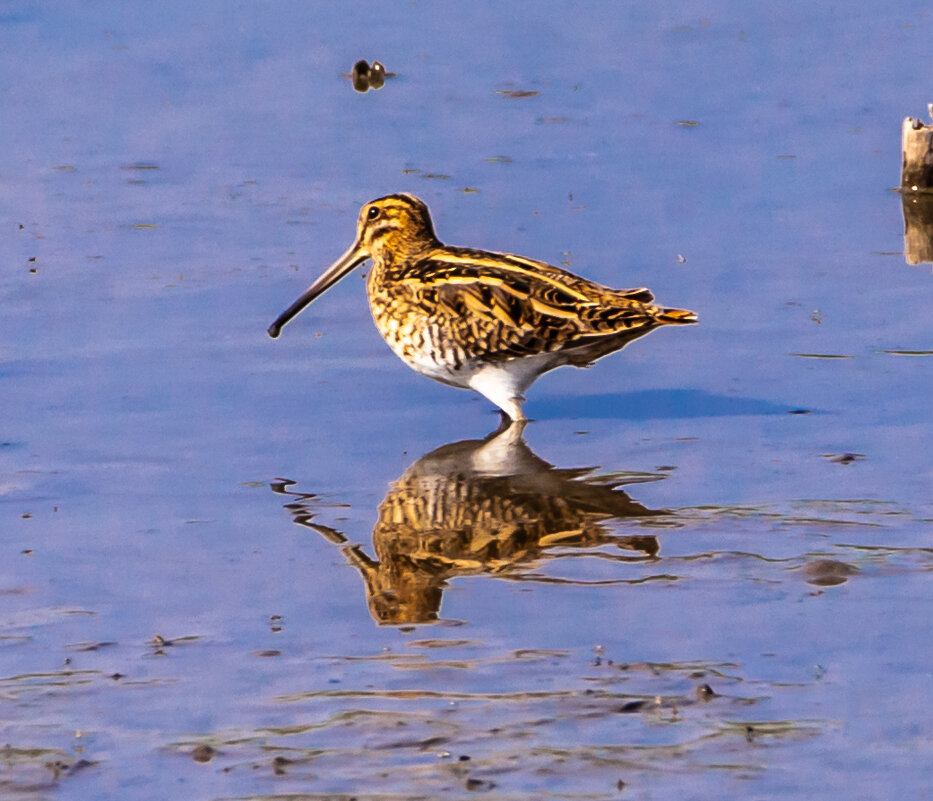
[175, 176]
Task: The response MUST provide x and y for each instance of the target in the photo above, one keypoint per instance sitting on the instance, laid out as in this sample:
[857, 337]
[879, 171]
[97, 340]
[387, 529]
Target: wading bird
[492, 322]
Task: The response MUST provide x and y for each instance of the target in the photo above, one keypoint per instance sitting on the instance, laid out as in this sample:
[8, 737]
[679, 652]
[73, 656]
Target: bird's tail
[677, 316]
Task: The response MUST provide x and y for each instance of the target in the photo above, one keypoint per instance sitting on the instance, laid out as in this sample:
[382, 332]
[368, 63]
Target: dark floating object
[828, 572]
[366, 77]
[844, 458]
[203, 753]
[633, 706]
[705, 692]
[517, 93]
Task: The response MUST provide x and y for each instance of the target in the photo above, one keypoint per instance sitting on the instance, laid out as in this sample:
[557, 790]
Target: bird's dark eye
[373, 213]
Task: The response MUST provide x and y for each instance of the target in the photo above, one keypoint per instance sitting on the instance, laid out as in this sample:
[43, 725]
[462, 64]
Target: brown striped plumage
[484, 507]
[492, 322]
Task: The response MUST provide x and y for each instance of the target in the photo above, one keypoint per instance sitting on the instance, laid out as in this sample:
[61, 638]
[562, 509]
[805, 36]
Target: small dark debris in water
[27, 552]
[366, 77]
[517, 93]
[81, 764]
[688, 123]
[203, 753]
[476, 785]
[89, 646]
[750, 733]
[33, 270]
[117, 676]
[279, 764]
[620, 785]
[705, 692]
[281, 485]
[60, 767]
[633, 706]
[500, 160]
[844, 458]
[377, 75]
[32, 259]
[800, 411]
[821, 355]
[267, 652]
[827, 572]
[464, 758]
[22, 227]
[666, 468]
[26, 515]
[57, 767]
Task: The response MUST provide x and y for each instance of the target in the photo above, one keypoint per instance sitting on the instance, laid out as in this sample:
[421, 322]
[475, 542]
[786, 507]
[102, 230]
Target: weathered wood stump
[917, 155]
[917, 189]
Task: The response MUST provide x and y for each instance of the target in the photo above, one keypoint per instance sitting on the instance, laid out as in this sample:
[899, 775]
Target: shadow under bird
[491, 322]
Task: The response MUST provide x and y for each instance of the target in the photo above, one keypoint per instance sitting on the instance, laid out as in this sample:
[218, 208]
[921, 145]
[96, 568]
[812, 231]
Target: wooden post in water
[917, 189]
[917, 153]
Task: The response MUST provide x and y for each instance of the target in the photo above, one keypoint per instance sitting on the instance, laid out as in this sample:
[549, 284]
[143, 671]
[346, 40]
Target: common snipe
[492, 322]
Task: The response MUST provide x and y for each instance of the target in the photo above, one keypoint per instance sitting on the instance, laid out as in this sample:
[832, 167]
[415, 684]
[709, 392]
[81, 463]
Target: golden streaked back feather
[507, 306]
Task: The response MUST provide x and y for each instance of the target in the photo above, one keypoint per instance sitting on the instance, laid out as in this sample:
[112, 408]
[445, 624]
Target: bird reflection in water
[478, 506]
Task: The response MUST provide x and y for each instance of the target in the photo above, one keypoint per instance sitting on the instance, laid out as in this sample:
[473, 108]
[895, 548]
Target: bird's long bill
[354, 256]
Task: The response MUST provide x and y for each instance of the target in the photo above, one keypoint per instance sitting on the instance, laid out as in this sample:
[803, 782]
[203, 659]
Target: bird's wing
[510, 306]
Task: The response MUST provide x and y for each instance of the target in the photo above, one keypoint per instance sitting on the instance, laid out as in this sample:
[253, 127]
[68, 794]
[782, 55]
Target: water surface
[239, 568]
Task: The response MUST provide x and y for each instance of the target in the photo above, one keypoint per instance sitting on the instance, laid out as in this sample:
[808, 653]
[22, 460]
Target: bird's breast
[422, 338]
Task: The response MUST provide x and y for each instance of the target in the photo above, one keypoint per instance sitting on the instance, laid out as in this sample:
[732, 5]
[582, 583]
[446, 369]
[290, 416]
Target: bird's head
[389, 229]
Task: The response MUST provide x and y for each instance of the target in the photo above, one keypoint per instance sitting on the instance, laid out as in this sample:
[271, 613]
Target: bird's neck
[396, 256]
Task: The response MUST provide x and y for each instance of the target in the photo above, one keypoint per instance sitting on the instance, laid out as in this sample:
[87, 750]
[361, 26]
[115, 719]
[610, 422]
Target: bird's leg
[513, 409]
[503, 388]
